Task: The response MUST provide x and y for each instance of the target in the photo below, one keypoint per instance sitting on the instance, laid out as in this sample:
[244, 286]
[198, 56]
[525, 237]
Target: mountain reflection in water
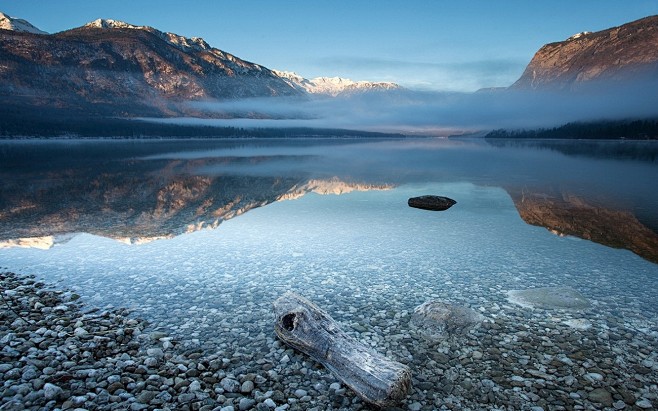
[141, 191]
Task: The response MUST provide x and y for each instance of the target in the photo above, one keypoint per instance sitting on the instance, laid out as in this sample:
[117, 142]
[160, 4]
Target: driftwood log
[430, 202]
[307, 328]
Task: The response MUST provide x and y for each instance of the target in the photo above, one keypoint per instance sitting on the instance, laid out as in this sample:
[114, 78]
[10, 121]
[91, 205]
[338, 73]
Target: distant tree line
[18, 123]
[646, 129]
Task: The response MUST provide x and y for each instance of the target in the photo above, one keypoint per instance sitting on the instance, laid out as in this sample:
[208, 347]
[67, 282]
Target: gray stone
[619, 405]
[51, 391]
[155, 352]
[29, 374]
[246, 404]
[600, 395]
[247, 387]
[436, 320]
[185, 398]
[146, 396]
[194, 386]
[230, 385]
[80, 332]
[644, 404]
[593, 376]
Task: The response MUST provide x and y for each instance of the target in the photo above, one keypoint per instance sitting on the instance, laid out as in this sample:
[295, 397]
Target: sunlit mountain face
[621, 54]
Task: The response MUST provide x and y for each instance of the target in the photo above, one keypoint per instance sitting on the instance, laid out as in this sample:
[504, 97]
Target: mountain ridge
[334, 86]
[112, 68]
[617, 54]
[125, 72]
[16, 24]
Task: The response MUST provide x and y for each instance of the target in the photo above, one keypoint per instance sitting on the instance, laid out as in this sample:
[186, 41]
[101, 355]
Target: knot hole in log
[306, 327]
[288, 321]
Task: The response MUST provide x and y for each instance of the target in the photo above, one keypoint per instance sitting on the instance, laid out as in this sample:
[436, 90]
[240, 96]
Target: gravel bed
[60, 353]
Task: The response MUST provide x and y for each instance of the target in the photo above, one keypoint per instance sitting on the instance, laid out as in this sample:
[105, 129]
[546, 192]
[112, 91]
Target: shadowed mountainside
[125, 70]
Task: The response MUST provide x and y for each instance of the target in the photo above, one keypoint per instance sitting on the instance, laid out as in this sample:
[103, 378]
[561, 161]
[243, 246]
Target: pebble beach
[61, 353]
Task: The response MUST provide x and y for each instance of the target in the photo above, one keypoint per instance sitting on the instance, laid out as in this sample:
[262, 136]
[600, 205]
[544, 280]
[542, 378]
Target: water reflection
[140, 191]
[606, 149]
[568, 214]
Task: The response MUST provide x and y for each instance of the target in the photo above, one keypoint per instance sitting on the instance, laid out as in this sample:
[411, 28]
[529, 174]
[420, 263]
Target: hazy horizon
[436, 113]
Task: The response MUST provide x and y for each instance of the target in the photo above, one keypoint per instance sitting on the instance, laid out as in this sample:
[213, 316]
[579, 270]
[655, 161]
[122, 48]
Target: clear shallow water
[368, 259]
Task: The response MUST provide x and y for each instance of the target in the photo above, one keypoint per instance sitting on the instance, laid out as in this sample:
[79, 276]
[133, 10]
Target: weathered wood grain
[307, 328]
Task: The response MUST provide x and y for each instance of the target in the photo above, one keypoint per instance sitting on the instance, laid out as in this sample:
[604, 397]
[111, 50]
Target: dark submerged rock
[431, 202]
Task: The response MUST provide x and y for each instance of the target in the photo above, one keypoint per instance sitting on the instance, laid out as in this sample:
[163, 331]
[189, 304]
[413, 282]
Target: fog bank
[437, 113]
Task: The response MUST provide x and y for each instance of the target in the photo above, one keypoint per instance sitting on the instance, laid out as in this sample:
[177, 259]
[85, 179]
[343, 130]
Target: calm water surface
[217, 230]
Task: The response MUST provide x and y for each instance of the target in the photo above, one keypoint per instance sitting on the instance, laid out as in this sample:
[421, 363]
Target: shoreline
[75, 356]
[56, 355]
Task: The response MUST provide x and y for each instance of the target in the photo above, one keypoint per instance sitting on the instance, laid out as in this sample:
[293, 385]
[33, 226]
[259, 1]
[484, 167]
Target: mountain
[108, 67]
[333, 86]
[618, 54]
[19, 25]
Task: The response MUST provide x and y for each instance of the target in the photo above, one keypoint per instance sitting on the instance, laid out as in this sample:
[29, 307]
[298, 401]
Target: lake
[200, 237]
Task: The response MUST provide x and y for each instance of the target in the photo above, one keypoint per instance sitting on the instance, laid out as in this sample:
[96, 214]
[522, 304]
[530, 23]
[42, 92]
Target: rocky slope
[112, 68]
[115, 68]
[627, 52]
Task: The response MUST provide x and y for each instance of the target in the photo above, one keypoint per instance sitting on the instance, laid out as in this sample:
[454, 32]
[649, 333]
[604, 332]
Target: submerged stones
[565, 298]
[431, 202]
[436, 320]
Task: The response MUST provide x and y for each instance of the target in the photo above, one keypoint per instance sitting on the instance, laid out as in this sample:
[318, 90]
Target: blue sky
[454, 45]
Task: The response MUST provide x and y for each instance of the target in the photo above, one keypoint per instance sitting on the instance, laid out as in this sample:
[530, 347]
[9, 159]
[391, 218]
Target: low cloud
[439, 113]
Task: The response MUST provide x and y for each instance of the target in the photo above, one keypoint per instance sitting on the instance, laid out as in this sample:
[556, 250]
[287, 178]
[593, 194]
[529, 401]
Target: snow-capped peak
[113, 24]
[579, 35]
[181, 42]
[20, 25]
[289, 75]
[332, 86]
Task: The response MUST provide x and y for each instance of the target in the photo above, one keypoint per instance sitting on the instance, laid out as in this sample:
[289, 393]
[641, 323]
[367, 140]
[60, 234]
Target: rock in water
[430, 202]
[549, 297]
[305, 327]
[436, 320]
